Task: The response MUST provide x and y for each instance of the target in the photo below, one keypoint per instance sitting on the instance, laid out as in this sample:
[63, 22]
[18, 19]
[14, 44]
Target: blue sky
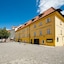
[16, 12]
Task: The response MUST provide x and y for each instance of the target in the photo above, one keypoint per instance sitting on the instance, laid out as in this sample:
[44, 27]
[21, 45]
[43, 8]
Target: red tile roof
[45, 13]
[50, 10]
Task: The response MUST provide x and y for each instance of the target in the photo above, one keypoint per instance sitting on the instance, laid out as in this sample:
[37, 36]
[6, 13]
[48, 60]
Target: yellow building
[45, 29]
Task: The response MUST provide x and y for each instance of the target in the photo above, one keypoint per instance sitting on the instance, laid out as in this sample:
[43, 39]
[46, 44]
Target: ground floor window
[49, 40]
[57, 39]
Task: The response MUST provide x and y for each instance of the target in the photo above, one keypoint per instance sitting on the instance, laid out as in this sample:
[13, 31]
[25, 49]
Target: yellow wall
[23, 34]
[17, 35]
[43, 28]
[59, 30]
[27, 33]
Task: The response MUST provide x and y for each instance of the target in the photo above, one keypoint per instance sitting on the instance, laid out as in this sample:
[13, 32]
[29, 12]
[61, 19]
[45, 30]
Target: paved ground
[21, 53]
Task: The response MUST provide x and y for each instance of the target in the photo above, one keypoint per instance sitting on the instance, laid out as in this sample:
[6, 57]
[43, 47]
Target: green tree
[4, 33]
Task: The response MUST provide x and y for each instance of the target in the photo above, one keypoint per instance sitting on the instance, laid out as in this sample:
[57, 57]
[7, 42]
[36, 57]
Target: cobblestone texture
[22, 53]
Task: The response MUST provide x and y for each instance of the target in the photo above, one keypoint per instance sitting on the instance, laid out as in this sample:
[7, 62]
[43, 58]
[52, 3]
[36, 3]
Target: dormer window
[25, 23]
[33, 19]
[40, 15]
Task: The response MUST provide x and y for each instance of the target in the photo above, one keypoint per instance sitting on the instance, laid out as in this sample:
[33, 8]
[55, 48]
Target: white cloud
[45, 4]
[62, 12]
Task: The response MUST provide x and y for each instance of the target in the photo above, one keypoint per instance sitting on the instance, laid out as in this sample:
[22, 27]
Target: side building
[45, 29]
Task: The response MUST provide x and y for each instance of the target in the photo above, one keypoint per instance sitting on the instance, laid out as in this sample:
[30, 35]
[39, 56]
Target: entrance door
[31, 41]
[36, 41]
[42, 41]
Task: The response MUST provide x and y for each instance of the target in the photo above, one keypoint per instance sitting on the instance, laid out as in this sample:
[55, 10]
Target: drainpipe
[29, 33]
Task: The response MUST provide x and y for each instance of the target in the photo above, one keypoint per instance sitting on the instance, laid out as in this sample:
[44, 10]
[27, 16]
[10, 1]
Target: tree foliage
[4, 33]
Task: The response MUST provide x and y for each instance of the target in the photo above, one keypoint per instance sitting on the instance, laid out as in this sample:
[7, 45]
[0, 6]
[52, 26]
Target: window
[40, 33]
[34, 33]
[60, 23]
[48, 31]
[34, 26]
[33, 19]
[57, 39]
[41, 15]
[40, 24]
[47, 20]
[49, 40]
[61, 32]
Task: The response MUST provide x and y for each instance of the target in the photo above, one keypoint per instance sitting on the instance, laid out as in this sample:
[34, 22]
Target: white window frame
[40, 24]
[34, 33]
[47, 20]
[40, 33]
[48, 31]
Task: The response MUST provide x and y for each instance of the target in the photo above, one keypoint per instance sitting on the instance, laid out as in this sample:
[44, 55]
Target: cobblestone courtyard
[22, 53]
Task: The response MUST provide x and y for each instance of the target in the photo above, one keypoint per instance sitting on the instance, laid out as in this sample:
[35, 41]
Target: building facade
[45, 29]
